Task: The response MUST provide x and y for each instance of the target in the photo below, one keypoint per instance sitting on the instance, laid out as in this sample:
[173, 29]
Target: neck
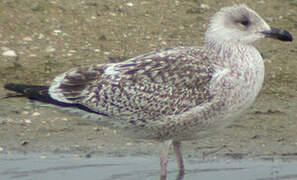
[229, 50]
[223, 46]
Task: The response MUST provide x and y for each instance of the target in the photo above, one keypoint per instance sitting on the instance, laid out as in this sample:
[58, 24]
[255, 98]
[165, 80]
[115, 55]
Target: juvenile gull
[175, 94]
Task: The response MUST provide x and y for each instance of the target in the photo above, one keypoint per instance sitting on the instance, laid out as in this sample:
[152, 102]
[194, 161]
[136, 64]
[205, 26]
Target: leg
[179, 157]
[164, 158]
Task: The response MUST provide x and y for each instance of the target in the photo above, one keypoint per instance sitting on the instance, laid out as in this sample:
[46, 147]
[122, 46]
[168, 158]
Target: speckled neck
[224, 48]
[236, 54]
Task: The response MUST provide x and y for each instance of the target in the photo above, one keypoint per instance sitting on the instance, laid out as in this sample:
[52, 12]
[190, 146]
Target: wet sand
[53, 36]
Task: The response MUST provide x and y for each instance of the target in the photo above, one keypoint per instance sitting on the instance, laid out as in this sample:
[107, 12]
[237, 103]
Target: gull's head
[239, 23]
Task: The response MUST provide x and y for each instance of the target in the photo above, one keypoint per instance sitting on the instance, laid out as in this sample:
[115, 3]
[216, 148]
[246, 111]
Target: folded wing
[144, 88]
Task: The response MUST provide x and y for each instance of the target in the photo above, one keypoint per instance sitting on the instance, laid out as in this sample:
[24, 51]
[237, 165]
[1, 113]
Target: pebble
[36, 114]
[129, 143]
[25, 143]
[88, 155]
[9, 53]
[97, 128]
[27, 38]
[28, 121]
[204, 6]
[43, 157]
[164, 43]
[50, 49]
[25, 112]
[40, 36]
[113, 14]
[43, 122]
[72, 51]
[1, 149]
[76, 155]
[130, 4]
[64, 119]
[57, 31]
[32, 55]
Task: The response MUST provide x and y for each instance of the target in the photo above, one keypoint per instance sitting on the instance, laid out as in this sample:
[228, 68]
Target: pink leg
[179, 157]
[164, 158]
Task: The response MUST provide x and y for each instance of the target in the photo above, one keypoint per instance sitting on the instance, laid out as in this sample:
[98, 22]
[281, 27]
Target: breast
[242, 80]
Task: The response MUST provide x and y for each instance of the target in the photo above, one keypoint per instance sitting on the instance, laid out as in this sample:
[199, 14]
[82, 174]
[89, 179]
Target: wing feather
[144, 88]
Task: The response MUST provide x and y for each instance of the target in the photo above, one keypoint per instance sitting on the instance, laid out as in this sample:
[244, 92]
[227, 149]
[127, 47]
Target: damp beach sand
[267, 129]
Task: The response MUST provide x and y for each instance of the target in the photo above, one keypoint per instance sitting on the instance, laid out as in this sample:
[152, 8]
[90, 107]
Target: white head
[239, 23]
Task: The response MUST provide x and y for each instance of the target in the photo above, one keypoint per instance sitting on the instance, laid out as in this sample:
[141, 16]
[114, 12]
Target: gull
[175, 94]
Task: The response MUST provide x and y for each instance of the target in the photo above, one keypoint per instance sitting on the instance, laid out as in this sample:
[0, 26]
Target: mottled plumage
[142, 90]
[180, 93]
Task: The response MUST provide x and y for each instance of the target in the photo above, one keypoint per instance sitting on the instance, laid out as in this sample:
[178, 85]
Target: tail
[40, 93]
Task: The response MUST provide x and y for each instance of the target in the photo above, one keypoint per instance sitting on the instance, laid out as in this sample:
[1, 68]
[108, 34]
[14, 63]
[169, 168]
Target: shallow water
[52, 166]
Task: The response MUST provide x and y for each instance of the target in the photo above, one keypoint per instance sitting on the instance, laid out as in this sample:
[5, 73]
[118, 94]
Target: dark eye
[245, 22]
